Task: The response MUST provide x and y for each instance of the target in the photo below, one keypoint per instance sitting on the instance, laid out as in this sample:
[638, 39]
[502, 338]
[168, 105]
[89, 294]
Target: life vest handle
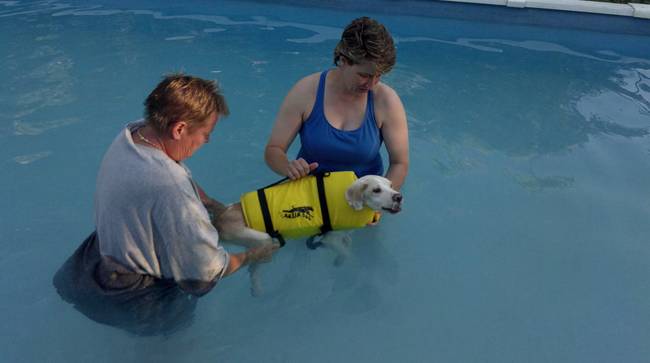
[325, 173]
[276, 183]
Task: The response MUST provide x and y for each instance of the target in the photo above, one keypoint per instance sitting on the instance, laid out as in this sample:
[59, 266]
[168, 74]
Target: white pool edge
[632, 10]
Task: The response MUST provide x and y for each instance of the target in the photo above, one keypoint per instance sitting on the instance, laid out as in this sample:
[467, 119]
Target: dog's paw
[256, 283]
[256, 290]
[339, 260]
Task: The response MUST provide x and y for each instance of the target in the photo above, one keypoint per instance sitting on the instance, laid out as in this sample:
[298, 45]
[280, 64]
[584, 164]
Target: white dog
[372, 191]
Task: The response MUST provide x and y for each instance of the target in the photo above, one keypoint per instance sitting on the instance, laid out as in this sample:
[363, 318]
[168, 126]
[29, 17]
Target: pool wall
[573, 14]
[632, 9]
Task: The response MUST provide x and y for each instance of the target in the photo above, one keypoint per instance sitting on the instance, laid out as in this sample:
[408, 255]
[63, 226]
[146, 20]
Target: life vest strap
[268, 222]
[320, 185]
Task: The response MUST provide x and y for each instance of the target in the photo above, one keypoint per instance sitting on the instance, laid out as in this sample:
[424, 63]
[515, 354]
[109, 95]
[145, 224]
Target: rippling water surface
[525, 234]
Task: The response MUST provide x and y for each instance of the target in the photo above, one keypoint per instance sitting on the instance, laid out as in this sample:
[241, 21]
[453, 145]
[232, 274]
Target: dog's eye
[376, 190]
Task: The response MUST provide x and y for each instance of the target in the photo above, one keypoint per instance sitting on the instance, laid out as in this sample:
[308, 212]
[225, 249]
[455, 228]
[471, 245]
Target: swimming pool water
[524, 236]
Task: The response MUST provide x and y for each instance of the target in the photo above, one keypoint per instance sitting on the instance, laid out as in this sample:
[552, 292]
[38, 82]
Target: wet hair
[366, 40]
[182, 97]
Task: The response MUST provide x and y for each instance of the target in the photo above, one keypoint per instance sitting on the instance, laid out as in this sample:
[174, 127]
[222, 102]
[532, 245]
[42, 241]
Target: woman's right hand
[299, 168]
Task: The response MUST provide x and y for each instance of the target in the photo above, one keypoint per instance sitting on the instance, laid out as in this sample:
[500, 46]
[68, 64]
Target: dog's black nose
[397, 198]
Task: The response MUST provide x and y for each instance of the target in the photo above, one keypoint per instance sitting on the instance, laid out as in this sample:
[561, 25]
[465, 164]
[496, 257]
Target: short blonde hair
[183, 97]
[366, 40]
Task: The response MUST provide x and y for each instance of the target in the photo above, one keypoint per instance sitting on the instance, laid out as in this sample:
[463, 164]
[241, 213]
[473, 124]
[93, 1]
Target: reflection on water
[27, 159]
[537, 183]
[453, 158]
[525, 109]
[535, 108]
[37, 128]
[635, 83]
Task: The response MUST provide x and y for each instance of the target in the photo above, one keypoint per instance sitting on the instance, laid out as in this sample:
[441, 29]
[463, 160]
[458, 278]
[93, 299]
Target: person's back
[126, 188]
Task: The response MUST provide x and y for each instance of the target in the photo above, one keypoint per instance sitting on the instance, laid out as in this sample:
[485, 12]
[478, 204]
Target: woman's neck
[340, 90]
[150, 137]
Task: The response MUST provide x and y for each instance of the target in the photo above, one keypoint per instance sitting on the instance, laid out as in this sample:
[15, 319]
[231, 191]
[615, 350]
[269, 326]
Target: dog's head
[375, 192]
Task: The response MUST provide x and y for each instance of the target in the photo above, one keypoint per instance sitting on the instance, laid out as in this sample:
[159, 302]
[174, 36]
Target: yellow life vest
[295, 209]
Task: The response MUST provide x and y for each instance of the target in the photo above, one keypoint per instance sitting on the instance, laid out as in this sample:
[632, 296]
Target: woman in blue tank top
[343, 115]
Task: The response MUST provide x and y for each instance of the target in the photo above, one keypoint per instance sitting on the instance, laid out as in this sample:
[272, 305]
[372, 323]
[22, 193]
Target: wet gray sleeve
[187, 243]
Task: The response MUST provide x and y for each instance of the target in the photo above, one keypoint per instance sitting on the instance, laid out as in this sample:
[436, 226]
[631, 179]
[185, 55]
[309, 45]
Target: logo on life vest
[298, 212]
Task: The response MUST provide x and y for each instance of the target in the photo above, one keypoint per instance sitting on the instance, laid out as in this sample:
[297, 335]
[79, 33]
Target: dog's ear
[354, 195]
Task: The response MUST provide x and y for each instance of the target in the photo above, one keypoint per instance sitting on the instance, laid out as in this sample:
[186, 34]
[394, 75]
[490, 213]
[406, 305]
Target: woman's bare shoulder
[387, 101]
[307, 84]
[302, 95]
[385, 93]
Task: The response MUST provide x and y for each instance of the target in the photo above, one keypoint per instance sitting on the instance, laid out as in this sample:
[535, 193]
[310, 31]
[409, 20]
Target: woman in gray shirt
[155, 249]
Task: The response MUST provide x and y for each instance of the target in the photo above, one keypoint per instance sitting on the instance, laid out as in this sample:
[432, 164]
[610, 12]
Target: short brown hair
[182, 97]
[366, 40]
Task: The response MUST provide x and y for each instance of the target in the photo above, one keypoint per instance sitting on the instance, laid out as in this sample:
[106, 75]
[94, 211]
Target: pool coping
[641, 11]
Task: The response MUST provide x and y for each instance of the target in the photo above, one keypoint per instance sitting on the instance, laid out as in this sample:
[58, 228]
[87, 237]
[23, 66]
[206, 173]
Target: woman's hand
[299, 168]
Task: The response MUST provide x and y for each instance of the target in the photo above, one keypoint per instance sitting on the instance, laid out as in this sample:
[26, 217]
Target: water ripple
[536, 183]
[490, 45]
[635, 83]
[181, 37]
[17, 8]
[614, 112]
[407, 82]
[321, 33]
[30, 158]
[37, 128]
[213, 30]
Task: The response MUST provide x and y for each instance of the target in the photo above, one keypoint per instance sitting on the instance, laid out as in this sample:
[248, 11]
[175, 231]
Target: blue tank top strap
[321, 85]
[370, 111]
[319, 105]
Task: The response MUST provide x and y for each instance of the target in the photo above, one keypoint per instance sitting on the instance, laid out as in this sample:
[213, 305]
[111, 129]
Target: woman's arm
[395, 132]
[286, 127]
[236, 260]
[213, 206]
